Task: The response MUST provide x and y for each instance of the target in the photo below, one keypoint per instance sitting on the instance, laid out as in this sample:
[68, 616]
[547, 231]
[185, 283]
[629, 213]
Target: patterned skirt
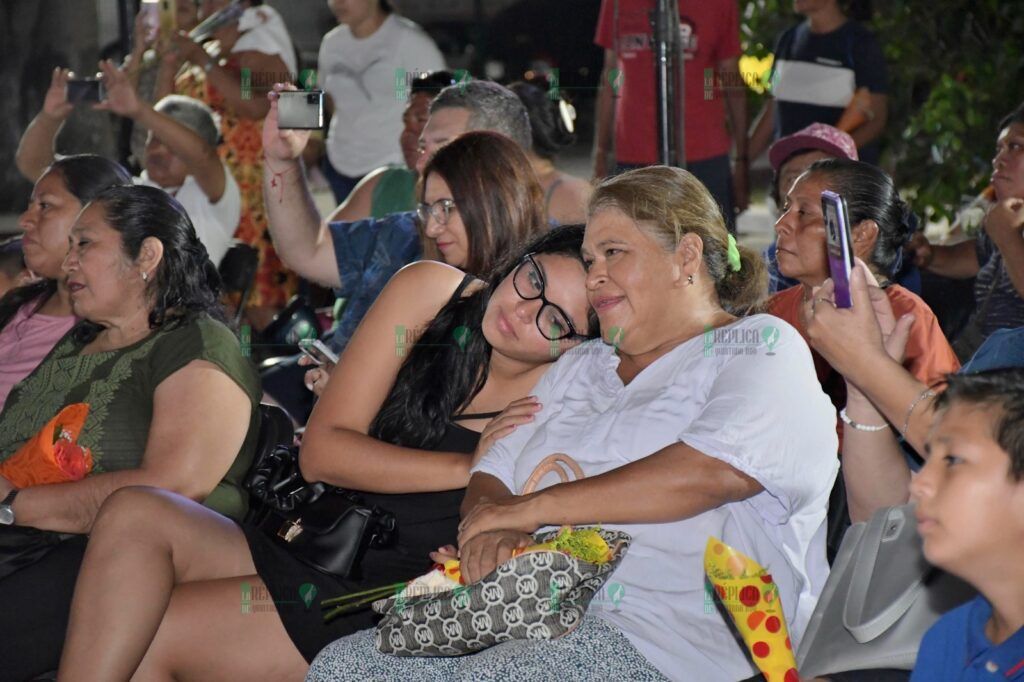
[593, 651]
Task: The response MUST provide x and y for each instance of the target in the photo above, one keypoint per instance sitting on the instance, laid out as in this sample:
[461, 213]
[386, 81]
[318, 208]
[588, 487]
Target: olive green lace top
[119, 387]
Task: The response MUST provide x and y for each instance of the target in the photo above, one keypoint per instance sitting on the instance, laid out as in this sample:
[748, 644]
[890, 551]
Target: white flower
[971, 218]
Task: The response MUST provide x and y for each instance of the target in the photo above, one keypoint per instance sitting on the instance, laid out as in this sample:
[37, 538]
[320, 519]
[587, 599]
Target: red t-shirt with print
[711, 30]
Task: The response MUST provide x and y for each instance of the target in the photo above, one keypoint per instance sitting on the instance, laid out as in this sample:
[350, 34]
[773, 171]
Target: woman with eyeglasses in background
[480, 199]
[422, 415]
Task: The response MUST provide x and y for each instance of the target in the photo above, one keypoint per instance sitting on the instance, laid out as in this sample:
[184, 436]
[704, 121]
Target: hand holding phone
[56, 104]
[85, 90]
[840, 245]
[318, 352]
[300, 109]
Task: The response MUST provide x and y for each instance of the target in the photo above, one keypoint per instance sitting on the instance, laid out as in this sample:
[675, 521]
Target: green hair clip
[734, 255]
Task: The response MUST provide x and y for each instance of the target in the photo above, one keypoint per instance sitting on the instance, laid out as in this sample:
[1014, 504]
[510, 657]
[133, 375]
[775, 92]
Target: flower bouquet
[53, 455]
[750, 595]
[585, 544]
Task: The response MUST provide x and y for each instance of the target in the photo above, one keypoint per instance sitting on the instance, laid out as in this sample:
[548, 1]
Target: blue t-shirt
[1004, 349]
[815, 75]
[369, 252]
[956, 649]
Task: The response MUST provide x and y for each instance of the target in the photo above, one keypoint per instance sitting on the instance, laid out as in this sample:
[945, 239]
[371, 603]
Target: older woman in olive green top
[173, 404]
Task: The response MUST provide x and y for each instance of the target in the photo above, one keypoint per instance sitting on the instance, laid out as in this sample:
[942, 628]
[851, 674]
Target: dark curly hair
[186, 282]
[439, 377]
[84, 176]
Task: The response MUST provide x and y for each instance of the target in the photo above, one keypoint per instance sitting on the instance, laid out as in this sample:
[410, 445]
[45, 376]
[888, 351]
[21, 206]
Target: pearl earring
[689, 279]
[145, 277]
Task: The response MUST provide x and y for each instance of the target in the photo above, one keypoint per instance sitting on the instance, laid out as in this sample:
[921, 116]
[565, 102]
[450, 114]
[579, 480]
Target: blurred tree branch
[955, 70]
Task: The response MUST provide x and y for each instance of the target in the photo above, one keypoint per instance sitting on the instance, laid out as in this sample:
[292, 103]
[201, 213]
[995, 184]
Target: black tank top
[426, 521]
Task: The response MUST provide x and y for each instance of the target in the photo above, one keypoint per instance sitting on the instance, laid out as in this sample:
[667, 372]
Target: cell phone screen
[84, 90]
[840, 245]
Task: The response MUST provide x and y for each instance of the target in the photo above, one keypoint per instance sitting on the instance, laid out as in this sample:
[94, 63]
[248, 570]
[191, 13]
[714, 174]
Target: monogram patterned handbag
[536, 595]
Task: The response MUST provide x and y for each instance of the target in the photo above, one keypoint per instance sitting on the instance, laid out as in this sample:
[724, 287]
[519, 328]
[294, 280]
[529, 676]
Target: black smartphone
[85, 90]
[300, 109]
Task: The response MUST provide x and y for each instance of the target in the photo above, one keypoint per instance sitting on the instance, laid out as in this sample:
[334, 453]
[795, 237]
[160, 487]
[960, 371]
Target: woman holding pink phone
[879, 223]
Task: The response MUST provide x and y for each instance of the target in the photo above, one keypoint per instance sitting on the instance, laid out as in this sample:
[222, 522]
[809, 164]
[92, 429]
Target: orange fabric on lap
[52, 455]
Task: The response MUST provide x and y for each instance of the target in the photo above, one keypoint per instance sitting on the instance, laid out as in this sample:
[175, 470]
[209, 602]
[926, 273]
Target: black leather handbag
[325, 527]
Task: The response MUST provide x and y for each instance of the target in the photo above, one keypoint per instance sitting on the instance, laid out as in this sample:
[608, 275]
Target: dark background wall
[35, 37]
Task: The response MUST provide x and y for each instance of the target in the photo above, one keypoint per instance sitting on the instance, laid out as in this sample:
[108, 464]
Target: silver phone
[300, 109]
[318, 351]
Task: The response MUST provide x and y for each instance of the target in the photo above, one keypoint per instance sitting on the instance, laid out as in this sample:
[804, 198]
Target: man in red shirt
[626, 98]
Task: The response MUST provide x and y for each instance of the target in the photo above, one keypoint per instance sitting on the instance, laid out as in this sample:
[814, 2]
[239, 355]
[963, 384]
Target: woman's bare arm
[336, 448]
[189, 461]
[677, 482]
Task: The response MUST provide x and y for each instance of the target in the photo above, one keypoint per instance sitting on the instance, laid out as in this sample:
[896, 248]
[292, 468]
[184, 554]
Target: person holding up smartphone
[257, 44]
[321, 361]
[879, 223]
[180, 158]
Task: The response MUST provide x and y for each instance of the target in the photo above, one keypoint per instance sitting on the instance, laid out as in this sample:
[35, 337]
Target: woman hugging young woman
[167, 594]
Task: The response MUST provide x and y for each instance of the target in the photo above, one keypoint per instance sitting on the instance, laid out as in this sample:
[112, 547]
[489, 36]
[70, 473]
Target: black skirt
[298, 606]
[426, 521]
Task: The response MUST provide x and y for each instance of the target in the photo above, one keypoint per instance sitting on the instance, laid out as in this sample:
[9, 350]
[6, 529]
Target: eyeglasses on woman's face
[553, 322]
[439, 210]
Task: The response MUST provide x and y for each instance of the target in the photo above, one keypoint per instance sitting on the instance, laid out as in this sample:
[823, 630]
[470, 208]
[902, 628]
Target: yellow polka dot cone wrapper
[748, 592]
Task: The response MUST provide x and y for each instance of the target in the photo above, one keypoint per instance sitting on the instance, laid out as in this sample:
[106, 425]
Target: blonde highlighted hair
[666, 204]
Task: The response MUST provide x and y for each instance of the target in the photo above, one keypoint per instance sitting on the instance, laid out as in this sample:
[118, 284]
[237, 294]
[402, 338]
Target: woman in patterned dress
[248, 56]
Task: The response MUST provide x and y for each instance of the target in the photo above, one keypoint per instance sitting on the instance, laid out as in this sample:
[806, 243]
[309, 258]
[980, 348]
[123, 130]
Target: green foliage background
[955, 69]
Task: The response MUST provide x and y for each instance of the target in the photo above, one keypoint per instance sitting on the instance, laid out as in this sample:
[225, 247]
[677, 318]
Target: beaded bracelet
[860, 427]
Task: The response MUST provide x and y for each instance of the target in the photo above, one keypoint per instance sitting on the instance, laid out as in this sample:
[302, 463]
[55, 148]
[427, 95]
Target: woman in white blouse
[688, 422]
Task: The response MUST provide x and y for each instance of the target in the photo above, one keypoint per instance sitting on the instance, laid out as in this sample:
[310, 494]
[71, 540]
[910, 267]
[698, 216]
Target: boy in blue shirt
[970, 512]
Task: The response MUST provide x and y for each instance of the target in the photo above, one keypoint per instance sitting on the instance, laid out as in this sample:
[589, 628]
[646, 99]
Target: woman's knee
[134, 508]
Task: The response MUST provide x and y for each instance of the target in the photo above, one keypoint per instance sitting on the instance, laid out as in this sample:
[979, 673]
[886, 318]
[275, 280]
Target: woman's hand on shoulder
[518, 412]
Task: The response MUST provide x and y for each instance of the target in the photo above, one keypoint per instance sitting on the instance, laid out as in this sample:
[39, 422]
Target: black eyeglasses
[554, 324]
[440, 210]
